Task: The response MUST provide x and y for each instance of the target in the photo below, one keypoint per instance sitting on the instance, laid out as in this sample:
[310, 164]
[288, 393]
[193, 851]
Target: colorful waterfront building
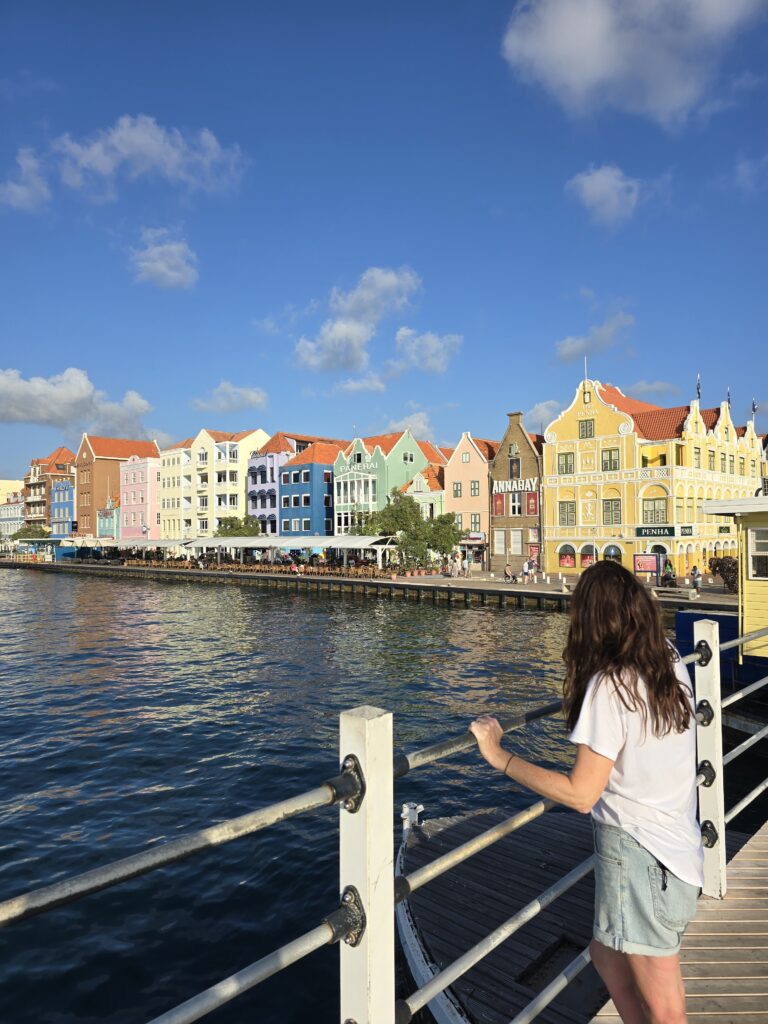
[62, 507]
[306, 491]
[370, 468]
[427, 488]
[264, 475]
[98, 466]
[140, 498]
[42, 473]
[11, 516]
[467, 474]
[625, 477]
[108, 520]
[177, 491]
[220, 470]
[516, 501]
[8, 487]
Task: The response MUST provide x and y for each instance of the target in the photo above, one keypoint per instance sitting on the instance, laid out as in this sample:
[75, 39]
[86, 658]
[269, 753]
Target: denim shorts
[640, 906]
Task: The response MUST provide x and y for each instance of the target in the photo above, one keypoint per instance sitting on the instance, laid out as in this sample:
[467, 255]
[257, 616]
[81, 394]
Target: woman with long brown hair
[629, 708]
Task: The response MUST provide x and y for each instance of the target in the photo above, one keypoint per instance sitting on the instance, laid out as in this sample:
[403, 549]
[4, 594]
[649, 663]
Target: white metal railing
[369, 887]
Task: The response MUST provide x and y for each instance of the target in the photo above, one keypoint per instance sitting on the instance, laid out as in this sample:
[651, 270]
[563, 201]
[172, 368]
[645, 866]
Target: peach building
[467, 494]
[140, 498]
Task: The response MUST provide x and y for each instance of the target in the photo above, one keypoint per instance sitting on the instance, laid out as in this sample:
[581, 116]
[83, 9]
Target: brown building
[97, 467]
[37, 486]
[516, 514]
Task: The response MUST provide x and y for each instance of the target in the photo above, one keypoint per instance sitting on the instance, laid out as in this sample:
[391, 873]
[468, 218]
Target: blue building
[306, 492]
[62, 508]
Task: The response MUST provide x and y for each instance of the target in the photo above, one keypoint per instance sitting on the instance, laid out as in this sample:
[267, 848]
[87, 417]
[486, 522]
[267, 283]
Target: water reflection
[138, 711]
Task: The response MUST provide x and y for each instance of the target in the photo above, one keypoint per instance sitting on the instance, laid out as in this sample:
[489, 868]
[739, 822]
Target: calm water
[133, 712]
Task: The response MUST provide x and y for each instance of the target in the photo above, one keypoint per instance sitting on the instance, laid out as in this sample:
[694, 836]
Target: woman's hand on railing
[488, 733]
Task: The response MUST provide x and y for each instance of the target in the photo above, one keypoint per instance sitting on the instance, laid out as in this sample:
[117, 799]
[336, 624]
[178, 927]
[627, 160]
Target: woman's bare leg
[614, 969]
[660, 982]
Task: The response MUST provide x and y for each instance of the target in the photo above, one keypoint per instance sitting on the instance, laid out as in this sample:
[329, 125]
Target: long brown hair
[616, 633]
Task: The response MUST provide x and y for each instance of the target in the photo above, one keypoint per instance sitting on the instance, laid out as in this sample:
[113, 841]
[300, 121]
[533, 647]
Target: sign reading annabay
[523, 484]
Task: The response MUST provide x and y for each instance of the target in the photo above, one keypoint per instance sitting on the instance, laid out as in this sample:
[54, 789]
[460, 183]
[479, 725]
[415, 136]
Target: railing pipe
[366, 855]
[212, 998]
[745, 692]
[554, 988]
[739, 807]
[737, 751]
[407, 884]
[709, 739]
[408, 1007]
[446, 748]
[741, 641]
[140, 863]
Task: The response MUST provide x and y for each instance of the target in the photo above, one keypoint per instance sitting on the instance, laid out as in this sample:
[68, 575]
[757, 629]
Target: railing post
[366, 863]
[709, 743]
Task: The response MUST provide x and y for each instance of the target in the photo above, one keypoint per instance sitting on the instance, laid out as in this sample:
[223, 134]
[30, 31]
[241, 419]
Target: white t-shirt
[651, 791]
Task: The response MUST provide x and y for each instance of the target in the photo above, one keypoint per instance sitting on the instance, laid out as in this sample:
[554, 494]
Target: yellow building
[625, 477]
[176, 491]
[751, 524]
[8, 487]
[218, 474]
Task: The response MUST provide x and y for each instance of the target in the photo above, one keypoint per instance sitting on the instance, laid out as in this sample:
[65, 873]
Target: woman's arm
[580, 789]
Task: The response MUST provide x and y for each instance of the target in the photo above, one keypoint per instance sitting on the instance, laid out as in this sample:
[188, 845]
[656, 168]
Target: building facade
[219, 468]
[11, 516]
[370, 468]
[42, 474]
[427, 488]
[140, 498]
[306, 491]
[62, 508]
[108, 520]
[265, 477]
[624, 477]
[467, 494]
[176, 491]
[98, 466]
[8, 487]
[516, 498]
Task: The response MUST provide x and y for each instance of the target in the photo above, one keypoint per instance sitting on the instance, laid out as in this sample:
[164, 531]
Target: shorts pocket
[674, 905]
[609, 885]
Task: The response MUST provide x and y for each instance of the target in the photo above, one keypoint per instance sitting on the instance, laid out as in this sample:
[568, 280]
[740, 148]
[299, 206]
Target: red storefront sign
[498, 504]
[531, 503]
[646, 563]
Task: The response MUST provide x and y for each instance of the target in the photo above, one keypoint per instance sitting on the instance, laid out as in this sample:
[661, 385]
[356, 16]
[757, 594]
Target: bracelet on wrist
[509, 762]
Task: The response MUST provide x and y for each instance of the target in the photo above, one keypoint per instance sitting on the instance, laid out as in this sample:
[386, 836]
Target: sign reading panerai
[523, 484]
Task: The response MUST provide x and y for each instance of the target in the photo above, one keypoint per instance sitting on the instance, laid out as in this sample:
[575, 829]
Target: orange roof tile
[322, 452]
[447, 452]
[280, 442]
[121, 448]
[615, 396]
[434, 478]
[664, 424]
[186, 443]
[430, 452]
[537, 440]
[488, 449]
[384, 441]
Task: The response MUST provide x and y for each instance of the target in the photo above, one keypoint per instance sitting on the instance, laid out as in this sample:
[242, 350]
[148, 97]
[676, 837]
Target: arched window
[588, 555]
[567, 557]
[612, 553]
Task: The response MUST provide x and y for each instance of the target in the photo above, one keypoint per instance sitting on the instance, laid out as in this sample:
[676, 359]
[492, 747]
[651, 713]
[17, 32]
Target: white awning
[299, 543]
[142, 543]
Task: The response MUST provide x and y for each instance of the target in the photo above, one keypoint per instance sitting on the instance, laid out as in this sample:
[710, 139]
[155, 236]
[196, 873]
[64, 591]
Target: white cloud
[751, 175]
[657, 58]
[652, 387]
[417, 422]
[370, 382]
[30, 190]
[542, 414]
[70, 401]
[267, 325]
[342, 342]
[229, 398]
[600, 337]
[428, 352]
[166, 260]
[607, 193]
[139, 147]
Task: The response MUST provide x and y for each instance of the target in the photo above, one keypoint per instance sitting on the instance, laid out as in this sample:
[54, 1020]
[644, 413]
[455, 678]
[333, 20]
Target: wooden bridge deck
[725, 950]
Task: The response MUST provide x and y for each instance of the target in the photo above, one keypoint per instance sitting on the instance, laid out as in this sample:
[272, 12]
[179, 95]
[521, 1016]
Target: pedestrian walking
[465, 566]
[696, 579]
[628, 704]
[526, 570]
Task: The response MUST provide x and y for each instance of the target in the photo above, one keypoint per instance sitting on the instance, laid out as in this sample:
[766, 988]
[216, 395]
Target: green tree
[231, 526]
[402, 518]
[443, 534]
[727, 569]
[30, 532]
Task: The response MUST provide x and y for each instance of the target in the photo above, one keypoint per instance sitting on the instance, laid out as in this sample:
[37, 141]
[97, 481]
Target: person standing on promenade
[696, 579]
[526, 570]
[465, 566]
[628, 703]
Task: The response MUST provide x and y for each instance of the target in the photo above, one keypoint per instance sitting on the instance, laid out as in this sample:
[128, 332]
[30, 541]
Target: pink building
[140, 498]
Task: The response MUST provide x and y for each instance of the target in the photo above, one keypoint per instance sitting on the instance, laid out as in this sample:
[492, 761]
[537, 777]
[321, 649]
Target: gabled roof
[186, 443]
[431, 453]
[615, 396]
[665, 424]
[319, 452]
[280, 442]
[434, 478]
[384, 441]
[488, 449]
[447, 452]
[220, 436]
[537, 440]
[121, 448]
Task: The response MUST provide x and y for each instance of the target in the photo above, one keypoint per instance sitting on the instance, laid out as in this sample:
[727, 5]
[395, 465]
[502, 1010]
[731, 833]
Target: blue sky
[346, 217]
